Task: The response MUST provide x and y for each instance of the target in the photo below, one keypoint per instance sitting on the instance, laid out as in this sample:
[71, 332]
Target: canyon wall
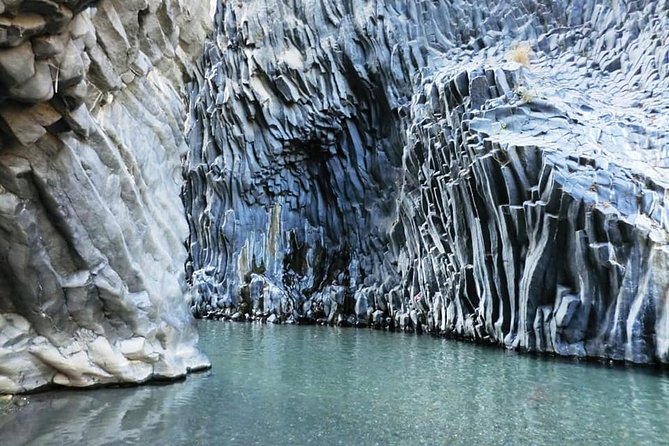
[495, 171]
[92, 111]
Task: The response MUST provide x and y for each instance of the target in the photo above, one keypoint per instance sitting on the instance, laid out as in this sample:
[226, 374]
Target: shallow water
[319, 385]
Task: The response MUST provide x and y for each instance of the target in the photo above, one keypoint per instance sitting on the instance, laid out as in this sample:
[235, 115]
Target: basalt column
[495, 171]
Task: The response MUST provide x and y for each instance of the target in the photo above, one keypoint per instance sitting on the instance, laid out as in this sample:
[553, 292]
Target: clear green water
[314, 385]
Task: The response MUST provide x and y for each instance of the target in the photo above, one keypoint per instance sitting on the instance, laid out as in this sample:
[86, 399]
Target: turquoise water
[318, 385]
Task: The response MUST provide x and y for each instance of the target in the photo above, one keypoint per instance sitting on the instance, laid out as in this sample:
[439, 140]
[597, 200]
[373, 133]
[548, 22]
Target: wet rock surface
[412, 165]
[92, 105]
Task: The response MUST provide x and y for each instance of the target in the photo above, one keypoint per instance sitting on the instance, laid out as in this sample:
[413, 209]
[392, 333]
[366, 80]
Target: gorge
[492, 171]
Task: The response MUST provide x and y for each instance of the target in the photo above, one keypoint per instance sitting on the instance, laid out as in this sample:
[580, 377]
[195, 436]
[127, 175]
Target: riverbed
[321, 385]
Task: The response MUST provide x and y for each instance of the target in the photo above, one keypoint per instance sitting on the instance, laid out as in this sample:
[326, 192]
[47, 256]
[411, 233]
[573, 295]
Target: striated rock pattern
[415, 165]
[91, 227]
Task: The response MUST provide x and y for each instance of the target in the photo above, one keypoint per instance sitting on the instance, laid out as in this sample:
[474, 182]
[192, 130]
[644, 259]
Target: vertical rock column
[410, 164]
[293, 145]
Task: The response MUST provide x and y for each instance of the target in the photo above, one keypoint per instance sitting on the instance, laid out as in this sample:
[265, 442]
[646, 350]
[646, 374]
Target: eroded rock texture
[396, 163]
[91, 227]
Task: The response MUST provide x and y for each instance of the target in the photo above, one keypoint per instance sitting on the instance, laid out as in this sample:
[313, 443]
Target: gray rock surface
[408, 164]
[92, 106]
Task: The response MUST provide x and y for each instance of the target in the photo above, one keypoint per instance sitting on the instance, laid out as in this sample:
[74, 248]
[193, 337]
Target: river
[319, 385]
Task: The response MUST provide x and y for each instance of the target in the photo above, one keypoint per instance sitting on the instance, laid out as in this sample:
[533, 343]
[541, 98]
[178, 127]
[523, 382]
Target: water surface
[320, 385]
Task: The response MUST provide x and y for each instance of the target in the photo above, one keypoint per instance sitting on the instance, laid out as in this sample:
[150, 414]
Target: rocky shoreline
[491, 171]
[390, 326]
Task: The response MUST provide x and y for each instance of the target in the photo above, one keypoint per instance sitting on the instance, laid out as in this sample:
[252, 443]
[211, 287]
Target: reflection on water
[106, 416]
[315, 385]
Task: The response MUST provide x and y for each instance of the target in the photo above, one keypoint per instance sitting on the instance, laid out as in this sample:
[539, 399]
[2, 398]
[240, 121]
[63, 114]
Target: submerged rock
[91, 227]
[482, 188]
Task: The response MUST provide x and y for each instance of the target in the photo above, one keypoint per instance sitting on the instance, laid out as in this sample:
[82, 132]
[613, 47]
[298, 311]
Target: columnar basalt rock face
[92, 106]
[401, 164]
